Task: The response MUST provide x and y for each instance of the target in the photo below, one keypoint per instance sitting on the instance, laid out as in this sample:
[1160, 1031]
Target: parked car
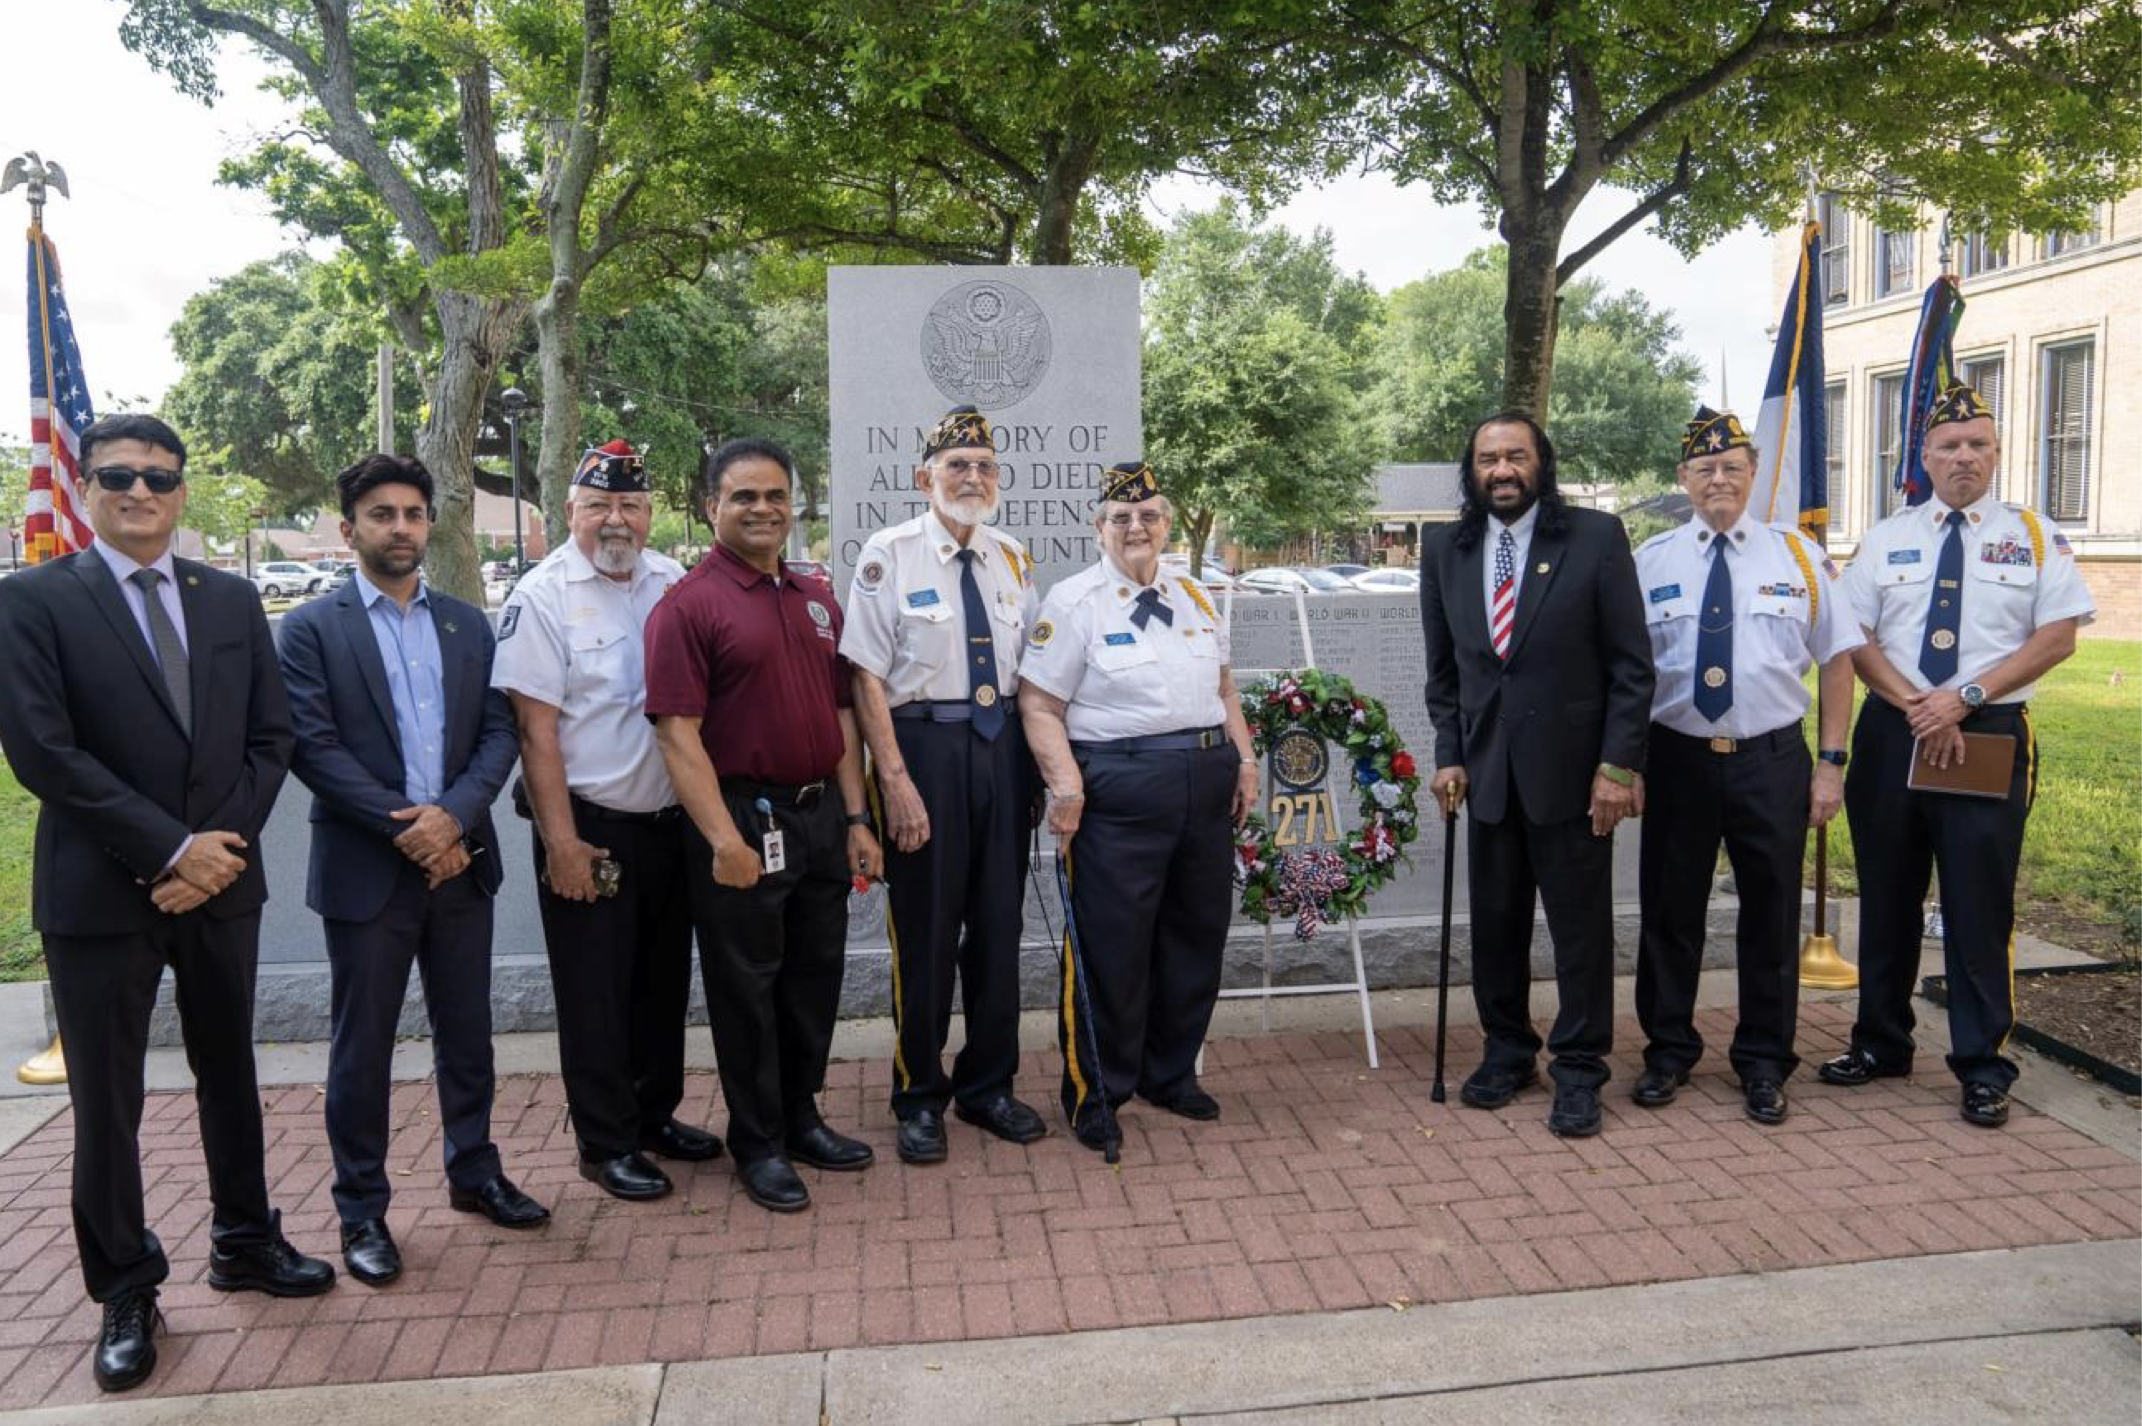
[280, 577]
[1346, 571]
[816, 569]
[1388, 581]
[1279, 579]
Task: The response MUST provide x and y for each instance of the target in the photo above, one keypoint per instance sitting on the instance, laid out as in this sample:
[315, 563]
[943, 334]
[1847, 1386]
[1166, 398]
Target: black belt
[935, 710]
[780, 794]
[1776, 740]
[1194, 740]
[595, 811]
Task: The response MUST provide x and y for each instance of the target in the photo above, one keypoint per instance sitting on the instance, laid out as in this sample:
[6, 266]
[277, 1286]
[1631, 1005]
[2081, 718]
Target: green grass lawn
[20, 958]
[2081, 882]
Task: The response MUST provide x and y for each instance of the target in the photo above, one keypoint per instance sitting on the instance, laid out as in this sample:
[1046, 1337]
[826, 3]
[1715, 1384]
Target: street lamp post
[515, 401]
[250, 517]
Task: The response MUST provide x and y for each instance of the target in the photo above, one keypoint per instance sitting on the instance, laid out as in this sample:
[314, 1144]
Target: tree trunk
[1530, 316]
[1056, 218]
[475, 332]
[557, 323]
[1200, 524]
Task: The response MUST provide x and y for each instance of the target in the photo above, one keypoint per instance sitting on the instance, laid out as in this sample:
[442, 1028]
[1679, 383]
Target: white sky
[148, 226]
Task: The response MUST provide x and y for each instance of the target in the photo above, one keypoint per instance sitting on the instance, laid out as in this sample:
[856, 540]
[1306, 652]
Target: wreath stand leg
[1264, 1006]
[1368, 1016]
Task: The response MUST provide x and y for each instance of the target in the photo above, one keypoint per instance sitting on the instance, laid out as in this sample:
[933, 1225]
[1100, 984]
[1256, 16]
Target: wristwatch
[859, 819]
[1617, 774]
[1972, 695]
[1835, 757]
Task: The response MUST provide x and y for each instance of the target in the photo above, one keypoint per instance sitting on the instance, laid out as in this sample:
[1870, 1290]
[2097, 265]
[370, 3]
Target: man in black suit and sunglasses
[144, 710]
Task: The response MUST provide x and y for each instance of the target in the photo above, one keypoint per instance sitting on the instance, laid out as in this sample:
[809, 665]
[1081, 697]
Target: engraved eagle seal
[986, 343]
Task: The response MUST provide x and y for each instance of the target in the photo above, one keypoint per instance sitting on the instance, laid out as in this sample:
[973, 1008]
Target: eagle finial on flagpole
[29, 169]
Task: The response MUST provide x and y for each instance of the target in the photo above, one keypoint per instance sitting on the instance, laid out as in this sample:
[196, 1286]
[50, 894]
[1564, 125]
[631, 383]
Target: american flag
[54, 523]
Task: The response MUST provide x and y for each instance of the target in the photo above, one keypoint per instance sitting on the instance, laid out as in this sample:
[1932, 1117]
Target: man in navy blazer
[404, 746]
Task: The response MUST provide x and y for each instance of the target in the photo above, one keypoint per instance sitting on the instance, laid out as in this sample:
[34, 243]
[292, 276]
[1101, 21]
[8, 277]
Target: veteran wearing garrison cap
[1736, 611]
[1967, 602]
[611, 850]
[1130, 706]
[936, 621]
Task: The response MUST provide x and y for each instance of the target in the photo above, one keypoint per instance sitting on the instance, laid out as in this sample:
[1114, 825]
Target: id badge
[773, 852]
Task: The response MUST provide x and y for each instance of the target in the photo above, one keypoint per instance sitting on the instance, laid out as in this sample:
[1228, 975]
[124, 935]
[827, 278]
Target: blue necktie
[1714, 638]
[1937, 655]
[1150, 608]
[981, 653]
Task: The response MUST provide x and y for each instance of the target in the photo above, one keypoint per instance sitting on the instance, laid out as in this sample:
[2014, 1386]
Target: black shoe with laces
[126, 1348]
[271, 1266]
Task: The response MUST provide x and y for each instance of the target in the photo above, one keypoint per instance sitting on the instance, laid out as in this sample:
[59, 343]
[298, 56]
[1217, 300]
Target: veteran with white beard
[936, 622]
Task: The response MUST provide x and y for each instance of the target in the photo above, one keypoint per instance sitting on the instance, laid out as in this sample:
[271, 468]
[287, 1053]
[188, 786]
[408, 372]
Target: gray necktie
[170, 653]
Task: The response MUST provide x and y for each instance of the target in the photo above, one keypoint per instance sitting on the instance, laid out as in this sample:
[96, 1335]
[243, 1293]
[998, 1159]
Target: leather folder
[1988, 767]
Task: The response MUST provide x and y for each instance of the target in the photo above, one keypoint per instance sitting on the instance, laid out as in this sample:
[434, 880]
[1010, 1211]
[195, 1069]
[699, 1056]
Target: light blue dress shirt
[409, 647]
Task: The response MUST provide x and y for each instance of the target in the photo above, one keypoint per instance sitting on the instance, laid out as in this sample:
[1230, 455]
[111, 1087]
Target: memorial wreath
[1295, 718]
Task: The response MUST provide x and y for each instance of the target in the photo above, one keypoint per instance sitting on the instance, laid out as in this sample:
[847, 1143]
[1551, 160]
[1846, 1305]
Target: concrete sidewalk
[1684, 1265]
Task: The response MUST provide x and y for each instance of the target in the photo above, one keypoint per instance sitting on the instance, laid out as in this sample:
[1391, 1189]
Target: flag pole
[50, 1065]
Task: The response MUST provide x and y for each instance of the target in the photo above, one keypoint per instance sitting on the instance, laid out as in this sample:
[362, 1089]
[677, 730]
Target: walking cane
[1442, 979]
[1082, 1000]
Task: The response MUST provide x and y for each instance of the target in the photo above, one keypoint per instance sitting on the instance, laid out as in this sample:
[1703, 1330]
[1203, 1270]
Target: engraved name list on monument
[1049, 354]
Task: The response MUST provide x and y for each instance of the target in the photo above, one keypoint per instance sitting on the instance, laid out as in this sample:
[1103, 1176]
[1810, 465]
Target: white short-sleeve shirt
[571, 637]
[1118, 680]
[2019, 575]
[1787, 613]
[905, 620]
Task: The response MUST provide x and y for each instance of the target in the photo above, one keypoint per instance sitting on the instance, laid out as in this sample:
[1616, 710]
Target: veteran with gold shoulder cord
[1737, 610]
[1130, 707]
[936, 620]
[1967, 601]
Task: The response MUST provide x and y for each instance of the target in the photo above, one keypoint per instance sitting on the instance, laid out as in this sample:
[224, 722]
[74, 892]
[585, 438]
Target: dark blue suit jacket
[349, 749]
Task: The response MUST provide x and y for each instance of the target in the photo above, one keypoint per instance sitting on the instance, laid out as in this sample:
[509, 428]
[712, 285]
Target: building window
[1888, 431]
[1836, 250]
[1983, 253]
[2064, 450]
[2059, 244]
[1835, 426]
[1988, 376]
[1893, 254]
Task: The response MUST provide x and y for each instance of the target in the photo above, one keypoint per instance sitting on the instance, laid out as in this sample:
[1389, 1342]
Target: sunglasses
[119, 478]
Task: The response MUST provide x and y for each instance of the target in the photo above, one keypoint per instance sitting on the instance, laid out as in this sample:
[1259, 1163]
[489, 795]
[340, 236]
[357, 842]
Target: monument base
[291, 998]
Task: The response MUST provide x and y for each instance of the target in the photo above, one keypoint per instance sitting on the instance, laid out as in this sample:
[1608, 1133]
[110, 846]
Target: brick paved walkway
[1325, 1186]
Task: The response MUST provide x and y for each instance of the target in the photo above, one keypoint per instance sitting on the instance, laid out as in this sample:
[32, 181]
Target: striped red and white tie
[1502, 610]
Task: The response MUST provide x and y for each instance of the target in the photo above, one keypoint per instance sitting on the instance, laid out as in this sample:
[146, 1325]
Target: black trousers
[1571, 872]
[103, 991]
[1152, 891]
[958, 902]
[1754, 800]
[1898, 838]
[621, 972]
[772, 958]
[446, 934]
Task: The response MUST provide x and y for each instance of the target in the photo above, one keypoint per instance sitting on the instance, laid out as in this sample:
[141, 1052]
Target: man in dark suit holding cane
[1539, 686]
[143, 709]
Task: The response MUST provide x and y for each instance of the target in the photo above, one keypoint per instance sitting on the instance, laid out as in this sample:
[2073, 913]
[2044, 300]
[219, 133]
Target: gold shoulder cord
[1807, 572]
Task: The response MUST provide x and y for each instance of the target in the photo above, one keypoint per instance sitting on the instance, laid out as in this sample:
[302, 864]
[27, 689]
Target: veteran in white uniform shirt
[1737, 611]
[1131, 710]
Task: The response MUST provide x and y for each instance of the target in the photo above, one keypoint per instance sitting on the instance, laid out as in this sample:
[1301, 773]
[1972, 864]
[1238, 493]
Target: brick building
[2051, 336]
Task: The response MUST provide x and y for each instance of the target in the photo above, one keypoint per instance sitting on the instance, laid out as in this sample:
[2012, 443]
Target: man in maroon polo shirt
[749, 698]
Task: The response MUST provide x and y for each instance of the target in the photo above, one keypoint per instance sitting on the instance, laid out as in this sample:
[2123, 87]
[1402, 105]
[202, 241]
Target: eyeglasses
[1150, 519]
[121, 478]
[986, 469]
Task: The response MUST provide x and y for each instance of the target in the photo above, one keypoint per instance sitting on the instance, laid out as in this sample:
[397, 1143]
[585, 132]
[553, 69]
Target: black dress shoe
[273, 1267]
[1006, 1118]
[126, 1348]
[1491, 1086]
[773, 1184]
[500, 1202]
[1576, 1111]
[1656, 1088]
[1766, 1100]
[628, 1176]
[681, 1142]
[1191, 1103]
[922, 1138]
[1856, 1067]
[1984, 1106]
[821, 1148]
[1092, 1131]
[369, 1253]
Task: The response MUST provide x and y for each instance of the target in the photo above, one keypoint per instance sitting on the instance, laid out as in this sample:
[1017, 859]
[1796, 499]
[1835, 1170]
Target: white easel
[1359, 984]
